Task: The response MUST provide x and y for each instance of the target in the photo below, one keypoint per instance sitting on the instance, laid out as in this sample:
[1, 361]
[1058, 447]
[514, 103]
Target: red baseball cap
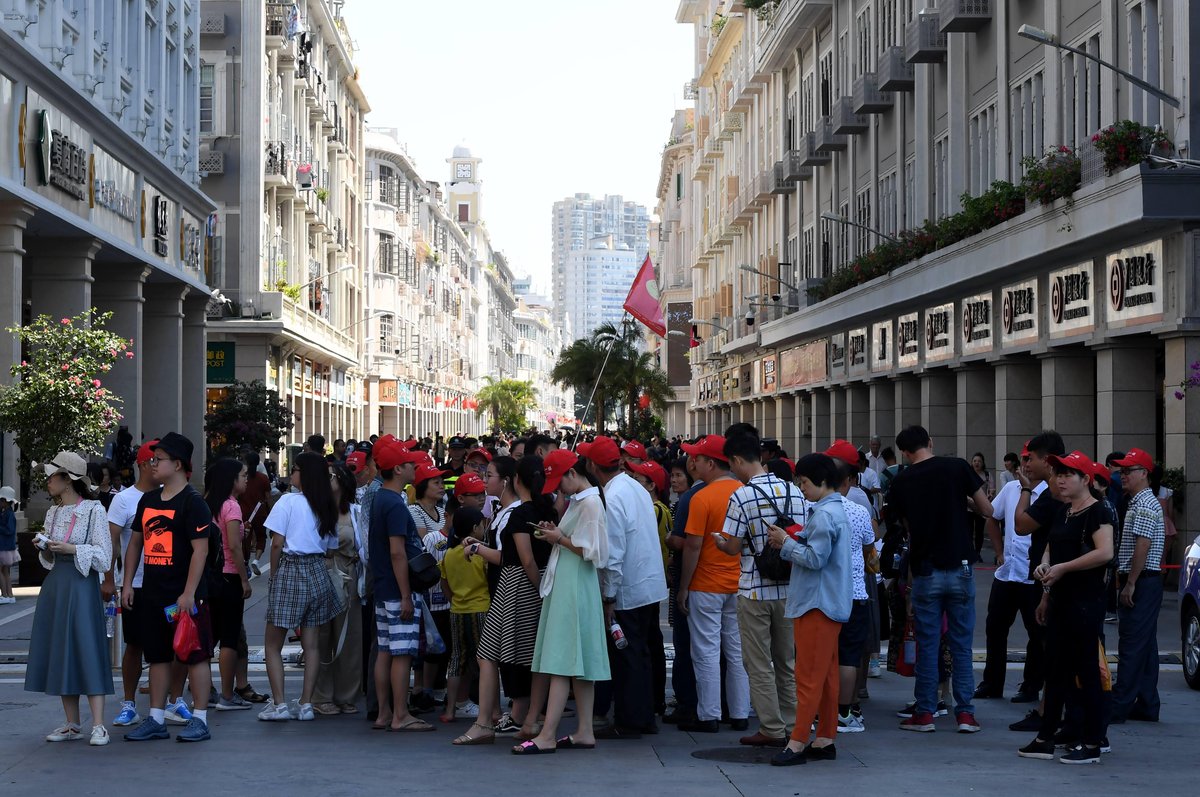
[1136, 458]
[710, 445]
[478, 452]
[843, 450]
[357, 461]
[1076, 460]
[652, 471]
[427, 472]
[410, 443]
[634, 449]
[1025, 450]
[394, 455]
[603, 451]
[790, 463]
[469, 484]
[558, 462]
[146, 452]
[1101, 474]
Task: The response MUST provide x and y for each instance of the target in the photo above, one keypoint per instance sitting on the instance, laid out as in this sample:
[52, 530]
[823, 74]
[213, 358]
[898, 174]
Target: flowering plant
[1128, 143]
[251, 415]
[1193, 380]
[1053, 176]
[57, 401]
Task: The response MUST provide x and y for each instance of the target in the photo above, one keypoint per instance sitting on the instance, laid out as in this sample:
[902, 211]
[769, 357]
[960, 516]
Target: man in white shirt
[1012, 592]
[874, 461]
[631, 587]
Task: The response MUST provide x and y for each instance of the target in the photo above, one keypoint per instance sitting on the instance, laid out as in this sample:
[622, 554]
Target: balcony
[924, 43]
[895, 74]
[781, 183]
[764, 186]
[713, 148]
[785, 26]
[867, 96]
[963, 16]
[277, 24]
[826, 139]
[845, 120]
[732, 123]
[810, 155]
[793, 167]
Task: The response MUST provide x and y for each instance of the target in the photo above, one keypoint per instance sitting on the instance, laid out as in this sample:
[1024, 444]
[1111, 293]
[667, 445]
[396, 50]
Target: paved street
[341, 755]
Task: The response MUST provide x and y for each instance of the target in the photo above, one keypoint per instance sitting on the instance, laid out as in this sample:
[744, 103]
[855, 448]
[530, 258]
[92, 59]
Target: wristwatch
[1027, 490]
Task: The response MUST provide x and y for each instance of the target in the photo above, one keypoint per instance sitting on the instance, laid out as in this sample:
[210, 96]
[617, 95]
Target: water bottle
[110, 616]
[910, 649]
[896, 561]
[618, 636]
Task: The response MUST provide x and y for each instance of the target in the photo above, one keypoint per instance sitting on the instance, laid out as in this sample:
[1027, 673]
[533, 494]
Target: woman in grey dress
[68, 647]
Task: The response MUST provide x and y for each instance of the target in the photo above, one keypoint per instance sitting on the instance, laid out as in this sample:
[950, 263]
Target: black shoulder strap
[771, 501]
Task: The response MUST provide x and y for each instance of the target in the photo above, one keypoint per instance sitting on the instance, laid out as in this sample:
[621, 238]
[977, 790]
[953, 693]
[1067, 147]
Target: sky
[556, 96]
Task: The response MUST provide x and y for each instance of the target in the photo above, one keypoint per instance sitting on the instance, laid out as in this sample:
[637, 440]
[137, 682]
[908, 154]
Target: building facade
[576, 223]
[282, 126]
[422, 349]
[100, 204]
[598, 279]
[1077, 315]
[539, 342]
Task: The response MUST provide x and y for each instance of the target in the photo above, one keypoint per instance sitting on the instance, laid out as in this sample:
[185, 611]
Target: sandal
[348, 708]
[248, 694]
[413, 725]
[530, 748]
[467, 739]
[328, 709]
[381, 724]
[567, 743]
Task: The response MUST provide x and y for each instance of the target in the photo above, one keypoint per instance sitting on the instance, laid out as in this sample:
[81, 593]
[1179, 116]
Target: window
[826, 71]
[207, 87]
[387, 185]
[886, 19]
[1145, 60]
[843, 253]
[808, 117]
[887, 203]
[862, 214]
[679, 185]
[910, 193]
[387, 333]
[866, 55]
[1026, 121]
[464, 212]
[941, 178]
[982, 150]
[386, 260]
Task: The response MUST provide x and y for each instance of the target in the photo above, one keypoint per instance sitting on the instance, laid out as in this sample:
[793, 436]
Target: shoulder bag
[770, 562]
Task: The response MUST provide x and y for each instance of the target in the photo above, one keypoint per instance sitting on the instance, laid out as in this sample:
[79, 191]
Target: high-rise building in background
[597, 281]
[577, 222]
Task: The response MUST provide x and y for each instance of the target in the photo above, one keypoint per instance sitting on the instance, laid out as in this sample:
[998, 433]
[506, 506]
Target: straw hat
[8, 494]
[71, 464]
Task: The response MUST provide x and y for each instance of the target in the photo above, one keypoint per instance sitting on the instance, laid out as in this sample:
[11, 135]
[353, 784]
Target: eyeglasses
[155, 460]
[1130, 470]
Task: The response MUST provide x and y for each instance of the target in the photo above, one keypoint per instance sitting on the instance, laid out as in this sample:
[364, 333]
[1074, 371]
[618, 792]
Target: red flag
[642, 301]
[694, 338]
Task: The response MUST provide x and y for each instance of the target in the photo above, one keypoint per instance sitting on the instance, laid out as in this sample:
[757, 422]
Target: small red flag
[694, 338]
[642, 301]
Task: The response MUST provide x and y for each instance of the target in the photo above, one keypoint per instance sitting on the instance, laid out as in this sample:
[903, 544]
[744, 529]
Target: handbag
[906, 662]
[770, 562]
[423, 572]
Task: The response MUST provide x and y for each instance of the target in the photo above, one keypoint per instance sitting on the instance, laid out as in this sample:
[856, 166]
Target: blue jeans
[949, 593]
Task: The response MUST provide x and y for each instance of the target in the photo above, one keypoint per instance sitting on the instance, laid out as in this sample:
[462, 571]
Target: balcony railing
[810, 155]
[275, 161]
[277, 19]
[867, 96]
[827, 139]
[963, 16]
[782, 185]
[924, 42]
[794, 168]
[896, 74]
[845, 120]
[732, 123]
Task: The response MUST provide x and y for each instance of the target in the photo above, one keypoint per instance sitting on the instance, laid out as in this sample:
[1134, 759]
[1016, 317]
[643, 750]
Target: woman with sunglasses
[303, 527]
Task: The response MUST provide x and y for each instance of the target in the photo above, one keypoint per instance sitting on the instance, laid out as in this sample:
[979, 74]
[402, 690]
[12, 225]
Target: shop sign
[297, 374]
[977, 323]
[1135, 283]
[189, 245]
[1018, 313]
[404, 394]
[221, 362]
[908, 340]
[939, 333]
[881, 346]
[768, 374]
[856, 350]
[1072, 309]
[61, 162]
[161, 226]
[803, 365]
[388, 393]
[745, 379]
[837, 355]
[308, 376]
[113, 187]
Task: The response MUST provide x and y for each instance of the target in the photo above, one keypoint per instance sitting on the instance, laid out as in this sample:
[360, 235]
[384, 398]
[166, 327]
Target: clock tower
[465, 192]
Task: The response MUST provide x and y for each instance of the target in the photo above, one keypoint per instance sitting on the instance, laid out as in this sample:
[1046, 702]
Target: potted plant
[322, 194]
[1055, 175]
[1128, 143]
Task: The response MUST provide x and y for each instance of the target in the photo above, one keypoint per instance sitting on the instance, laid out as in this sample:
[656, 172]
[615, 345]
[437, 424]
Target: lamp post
[708, 324]
[320, 277]
[1045, 37]
[827, 216]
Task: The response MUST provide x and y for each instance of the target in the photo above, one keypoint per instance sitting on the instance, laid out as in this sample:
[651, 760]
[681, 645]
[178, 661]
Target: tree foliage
[250, 416]
[507, 400]
[57, 401]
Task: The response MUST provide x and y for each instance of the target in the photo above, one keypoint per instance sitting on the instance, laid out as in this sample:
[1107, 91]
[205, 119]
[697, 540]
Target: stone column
[858, 414]
[1127, 396]
[939, 416]
[771, 427]
[785, 422]
[977, 414]
[161, 350]
[1181, 422]
[60, 276]
[804, 421]
[883, 412]
[194, 385]
[13, 217]
[822, 407]
[837, 413]
[119, 289]
[907, 402]
[1069, 397]
[1018, 396]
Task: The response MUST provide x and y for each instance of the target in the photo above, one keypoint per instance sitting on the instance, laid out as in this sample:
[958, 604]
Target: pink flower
[95, 383]
[1178, 394]
[65, 321]
[128, 355]
[112, 352]
[24, 364]
[66, 367]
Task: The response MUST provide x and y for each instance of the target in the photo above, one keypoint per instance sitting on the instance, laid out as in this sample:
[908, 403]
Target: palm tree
[578, 367]
[507, 400]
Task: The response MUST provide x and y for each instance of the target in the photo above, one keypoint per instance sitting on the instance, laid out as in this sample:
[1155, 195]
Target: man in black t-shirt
[930, 498]
[170, 537]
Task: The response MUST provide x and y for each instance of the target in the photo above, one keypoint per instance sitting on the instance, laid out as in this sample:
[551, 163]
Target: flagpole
[611, 345]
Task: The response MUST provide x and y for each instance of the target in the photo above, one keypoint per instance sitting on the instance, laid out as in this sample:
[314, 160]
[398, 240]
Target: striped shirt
[748, 515]
[1143, 518]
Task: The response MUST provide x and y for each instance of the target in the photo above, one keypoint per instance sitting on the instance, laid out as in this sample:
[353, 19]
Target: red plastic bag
[906, 662]
[187, 636]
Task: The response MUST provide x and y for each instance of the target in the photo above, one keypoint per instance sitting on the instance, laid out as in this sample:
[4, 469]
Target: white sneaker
[302, 711]
[466, 710]
[9, 599]
[851, 724]
[274, 713]
[67, 733]
[99, 736]
[873, 669]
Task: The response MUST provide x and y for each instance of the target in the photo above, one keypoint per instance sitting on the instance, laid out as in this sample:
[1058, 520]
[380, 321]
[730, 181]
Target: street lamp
[374, 314]
[320, 277]
[827, 216]
[1045, 37]
[708, 324]
[775, 296]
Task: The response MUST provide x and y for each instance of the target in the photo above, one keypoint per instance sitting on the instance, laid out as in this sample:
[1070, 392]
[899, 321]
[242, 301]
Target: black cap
[177, 447]
[364, 446]
[456, 442]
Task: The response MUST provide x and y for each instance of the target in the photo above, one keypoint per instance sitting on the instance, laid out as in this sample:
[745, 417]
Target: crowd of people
[496, 580]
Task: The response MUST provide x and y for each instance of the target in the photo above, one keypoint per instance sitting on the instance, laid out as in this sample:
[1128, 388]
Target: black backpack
[214, 563]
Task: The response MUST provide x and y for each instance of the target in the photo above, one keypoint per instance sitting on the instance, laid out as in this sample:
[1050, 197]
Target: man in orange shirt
[707, 593]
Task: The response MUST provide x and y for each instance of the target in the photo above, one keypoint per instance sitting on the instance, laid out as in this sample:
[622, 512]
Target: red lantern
[437, 399]
[643, 402]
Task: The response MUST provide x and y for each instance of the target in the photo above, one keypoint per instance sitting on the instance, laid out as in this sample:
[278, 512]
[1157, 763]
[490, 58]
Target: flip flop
[381, 726]
[413, 725]
[529, 748]
[467, 740]
[567, 743]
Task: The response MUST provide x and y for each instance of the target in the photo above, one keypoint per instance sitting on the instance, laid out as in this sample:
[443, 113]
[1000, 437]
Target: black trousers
[1073, 632]
[633, 684]
[1006, 601]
